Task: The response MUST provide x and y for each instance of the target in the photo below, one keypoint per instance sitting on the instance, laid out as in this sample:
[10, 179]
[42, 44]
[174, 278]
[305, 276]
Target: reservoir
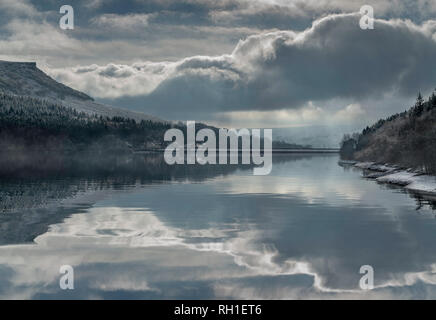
[143, 229]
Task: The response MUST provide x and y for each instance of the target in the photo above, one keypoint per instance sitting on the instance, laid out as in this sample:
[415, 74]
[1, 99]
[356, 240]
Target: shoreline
[414, 181]
[276, 150]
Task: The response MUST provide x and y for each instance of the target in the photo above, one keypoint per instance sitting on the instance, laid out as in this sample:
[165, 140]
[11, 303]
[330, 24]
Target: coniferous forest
[27, 122]
[38, 135]
[407, 139]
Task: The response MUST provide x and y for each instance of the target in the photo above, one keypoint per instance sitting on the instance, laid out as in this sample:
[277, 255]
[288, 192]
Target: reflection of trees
[82, 173]
[65, 177]
[31, 201]
[147, 165]
[34, 199]
[422, 200]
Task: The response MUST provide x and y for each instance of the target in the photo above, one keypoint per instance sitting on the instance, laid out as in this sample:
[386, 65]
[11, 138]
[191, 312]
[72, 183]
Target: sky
[234, 63]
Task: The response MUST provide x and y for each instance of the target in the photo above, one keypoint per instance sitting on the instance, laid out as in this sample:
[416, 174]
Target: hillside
[44, 124]
[25, 79]
[37, 123]
[36, 135]
[406, 139]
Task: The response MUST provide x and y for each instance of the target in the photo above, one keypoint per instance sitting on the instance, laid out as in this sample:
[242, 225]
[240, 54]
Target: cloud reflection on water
[304, 235]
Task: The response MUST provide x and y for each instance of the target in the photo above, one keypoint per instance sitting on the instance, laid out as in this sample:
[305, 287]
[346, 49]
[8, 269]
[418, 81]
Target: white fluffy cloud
[113, 81]
[334, 59]
[280, 67]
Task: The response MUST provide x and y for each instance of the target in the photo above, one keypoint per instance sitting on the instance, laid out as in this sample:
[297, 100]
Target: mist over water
[138, 228]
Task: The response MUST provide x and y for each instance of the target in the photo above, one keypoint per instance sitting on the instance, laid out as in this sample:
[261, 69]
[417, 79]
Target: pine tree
[432, 102]
[419, 105]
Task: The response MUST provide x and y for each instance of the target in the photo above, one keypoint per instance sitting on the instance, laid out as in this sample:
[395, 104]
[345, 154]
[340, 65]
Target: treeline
[407, 138]
[27, 121]
[37, 134]
[280, 144]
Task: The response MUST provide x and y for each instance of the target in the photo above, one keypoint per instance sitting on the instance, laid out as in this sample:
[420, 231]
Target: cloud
[18, 7]
[182, 59]
[300, 13]
[350, 112]
[122, 22]
[334, 59]
[111, 32]
[112, 80]
[309, 114]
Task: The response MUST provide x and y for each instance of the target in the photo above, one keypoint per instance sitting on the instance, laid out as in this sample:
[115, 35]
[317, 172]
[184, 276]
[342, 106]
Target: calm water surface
[302, 232]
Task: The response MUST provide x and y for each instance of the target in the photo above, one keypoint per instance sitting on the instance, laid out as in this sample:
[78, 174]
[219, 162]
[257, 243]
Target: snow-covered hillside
[24, 78]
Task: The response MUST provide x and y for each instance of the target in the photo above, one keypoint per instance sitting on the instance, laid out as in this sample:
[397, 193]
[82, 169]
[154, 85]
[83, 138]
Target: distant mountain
[25, 79]
[316, 136]
[407, 139]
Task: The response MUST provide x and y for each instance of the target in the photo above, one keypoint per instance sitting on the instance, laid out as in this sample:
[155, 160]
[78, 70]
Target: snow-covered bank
[376, 166]
[423, 184]
[411, 180]
[402, 178]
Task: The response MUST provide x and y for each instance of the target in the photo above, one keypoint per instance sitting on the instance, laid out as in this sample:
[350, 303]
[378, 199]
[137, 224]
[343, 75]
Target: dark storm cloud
[283, 69]
[280, 62]
[160, 30]
[188, 19]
